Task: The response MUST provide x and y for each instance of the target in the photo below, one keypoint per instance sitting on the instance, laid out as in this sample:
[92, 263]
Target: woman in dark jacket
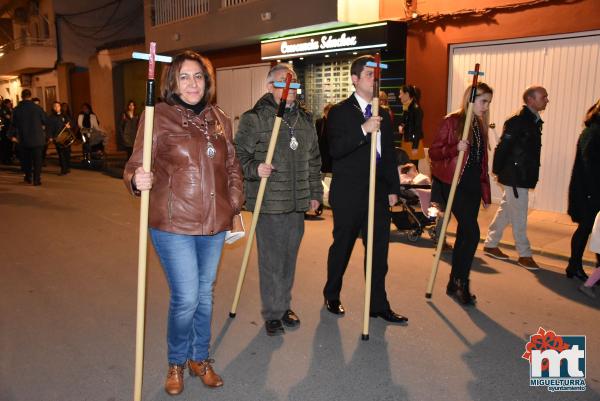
[196, 184]
[584, 190]
[473, 186]
[410, 122]
[128, 127]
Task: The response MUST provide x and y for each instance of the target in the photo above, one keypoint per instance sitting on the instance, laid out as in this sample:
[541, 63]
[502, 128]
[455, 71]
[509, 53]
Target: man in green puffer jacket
[294, 186]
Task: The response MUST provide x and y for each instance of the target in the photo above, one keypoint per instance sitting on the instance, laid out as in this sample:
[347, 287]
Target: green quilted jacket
[296, 179]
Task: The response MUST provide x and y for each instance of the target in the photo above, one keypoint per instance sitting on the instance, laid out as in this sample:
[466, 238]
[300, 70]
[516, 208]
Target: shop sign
[348, 39]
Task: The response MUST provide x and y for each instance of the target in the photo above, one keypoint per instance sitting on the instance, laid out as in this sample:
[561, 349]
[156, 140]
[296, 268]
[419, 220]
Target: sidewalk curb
[587, 262]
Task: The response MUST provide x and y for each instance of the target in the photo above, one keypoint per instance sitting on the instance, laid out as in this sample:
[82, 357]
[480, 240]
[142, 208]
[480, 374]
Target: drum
[65, 137]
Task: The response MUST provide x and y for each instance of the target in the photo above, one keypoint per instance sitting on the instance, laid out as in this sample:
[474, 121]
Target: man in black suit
[349, 125]
[28, 121]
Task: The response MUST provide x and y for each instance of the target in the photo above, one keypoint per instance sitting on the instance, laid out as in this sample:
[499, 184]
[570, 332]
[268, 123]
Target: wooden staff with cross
[145, 202]
[377, 66]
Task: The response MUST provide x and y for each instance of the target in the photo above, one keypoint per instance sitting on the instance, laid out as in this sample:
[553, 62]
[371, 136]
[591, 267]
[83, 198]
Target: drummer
[57, 122]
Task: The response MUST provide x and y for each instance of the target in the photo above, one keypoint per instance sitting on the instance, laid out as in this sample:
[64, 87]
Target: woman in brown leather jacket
[473, 185]
[196, 190]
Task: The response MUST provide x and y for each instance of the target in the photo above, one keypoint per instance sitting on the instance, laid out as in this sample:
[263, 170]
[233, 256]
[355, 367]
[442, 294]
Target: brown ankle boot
[205, 372]
[174, 383]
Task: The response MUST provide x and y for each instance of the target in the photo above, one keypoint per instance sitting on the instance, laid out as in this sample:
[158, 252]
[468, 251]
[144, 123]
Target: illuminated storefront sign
[344, 39]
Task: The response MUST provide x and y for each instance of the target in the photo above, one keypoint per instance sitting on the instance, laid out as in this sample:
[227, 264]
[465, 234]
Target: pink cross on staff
[145, 201]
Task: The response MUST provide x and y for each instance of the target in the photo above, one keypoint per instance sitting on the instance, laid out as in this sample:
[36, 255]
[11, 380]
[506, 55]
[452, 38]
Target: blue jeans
[190, 263]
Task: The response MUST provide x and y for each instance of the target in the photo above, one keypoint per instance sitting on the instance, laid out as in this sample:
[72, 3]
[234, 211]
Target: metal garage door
[567, 66]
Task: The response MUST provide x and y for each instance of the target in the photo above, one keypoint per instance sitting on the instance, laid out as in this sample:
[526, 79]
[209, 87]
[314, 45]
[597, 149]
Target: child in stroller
[417, 214]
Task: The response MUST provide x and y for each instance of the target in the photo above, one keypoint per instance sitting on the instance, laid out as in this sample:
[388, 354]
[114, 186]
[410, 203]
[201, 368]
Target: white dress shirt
[363, 106]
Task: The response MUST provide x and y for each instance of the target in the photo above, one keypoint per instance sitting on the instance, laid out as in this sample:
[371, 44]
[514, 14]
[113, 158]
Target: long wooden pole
[261, 192]
[455, 177]
[371, 211]
[143, 239]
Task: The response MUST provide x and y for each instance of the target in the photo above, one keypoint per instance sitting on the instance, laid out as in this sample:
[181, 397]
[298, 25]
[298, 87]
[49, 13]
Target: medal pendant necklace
[211, 151]
[293, 141]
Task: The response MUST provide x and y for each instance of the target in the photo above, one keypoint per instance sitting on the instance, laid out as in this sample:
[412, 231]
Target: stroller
[417, 215]
[411, 219]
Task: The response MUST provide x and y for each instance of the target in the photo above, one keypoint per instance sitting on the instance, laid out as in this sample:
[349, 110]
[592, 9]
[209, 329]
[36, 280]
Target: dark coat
[584, 188]
[321, 126]
[412, 121]
[297, 179]
[55, 124]
[350, 152]
[517, 156]
[28, 123]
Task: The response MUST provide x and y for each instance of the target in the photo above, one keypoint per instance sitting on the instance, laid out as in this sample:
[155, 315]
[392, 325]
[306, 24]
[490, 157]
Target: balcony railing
[166, 11]
[232, 3]
[25, 41]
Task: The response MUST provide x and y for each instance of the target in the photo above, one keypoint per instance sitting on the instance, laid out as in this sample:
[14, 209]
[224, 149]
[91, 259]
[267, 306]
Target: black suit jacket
[350, 152]
[29, 120]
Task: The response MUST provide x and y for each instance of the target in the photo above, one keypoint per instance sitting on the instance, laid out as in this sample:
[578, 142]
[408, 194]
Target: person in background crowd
[28, 121]
[410, 123]
[384, 104]
[473, 185]
[128, 127]
[196, 185]
[6, 145]
[584, 191]
[517, 166]
[56, 123]
[321, 127]
[88, 123]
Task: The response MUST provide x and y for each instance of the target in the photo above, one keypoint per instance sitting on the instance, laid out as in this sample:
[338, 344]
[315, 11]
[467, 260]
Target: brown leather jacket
[192, 193]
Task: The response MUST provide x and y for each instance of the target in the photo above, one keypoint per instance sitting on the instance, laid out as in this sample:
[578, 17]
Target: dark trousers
[278, 238]
[64, 158]
[348, 221]
[32, 163]
[578, 242]
[6, 149]
[466, 209]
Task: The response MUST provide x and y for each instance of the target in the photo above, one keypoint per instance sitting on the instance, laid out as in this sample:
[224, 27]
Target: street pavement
[68, 269]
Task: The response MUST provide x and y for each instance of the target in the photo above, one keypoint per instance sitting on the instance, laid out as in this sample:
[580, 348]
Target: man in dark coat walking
[517, 165]
[28, 125]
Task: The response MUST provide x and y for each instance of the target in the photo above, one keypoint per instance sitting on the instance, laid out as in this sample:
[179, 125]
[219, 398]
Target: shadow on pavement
[366, 376]
[565, 287]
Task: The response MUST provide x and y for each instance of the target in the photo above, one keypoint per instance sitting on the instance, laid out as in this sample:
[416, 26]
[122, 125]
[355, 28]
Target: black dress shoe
[390, 316]
[290, 319]
[274, 327]
[576, 272]
[335, 306]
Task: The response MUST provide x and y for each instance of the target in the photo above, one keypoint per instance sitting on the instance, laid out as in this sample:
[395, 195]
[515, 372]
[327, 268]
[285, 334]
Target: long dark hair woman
[128, 127]
[473, 185]
[584, 190]
[410, 123]
[196, 190]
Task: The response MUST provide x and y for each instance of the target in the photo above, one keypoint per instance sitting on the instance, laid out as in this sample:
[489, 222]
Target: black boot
[576, 272]
[463, 294]
[452, 286]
